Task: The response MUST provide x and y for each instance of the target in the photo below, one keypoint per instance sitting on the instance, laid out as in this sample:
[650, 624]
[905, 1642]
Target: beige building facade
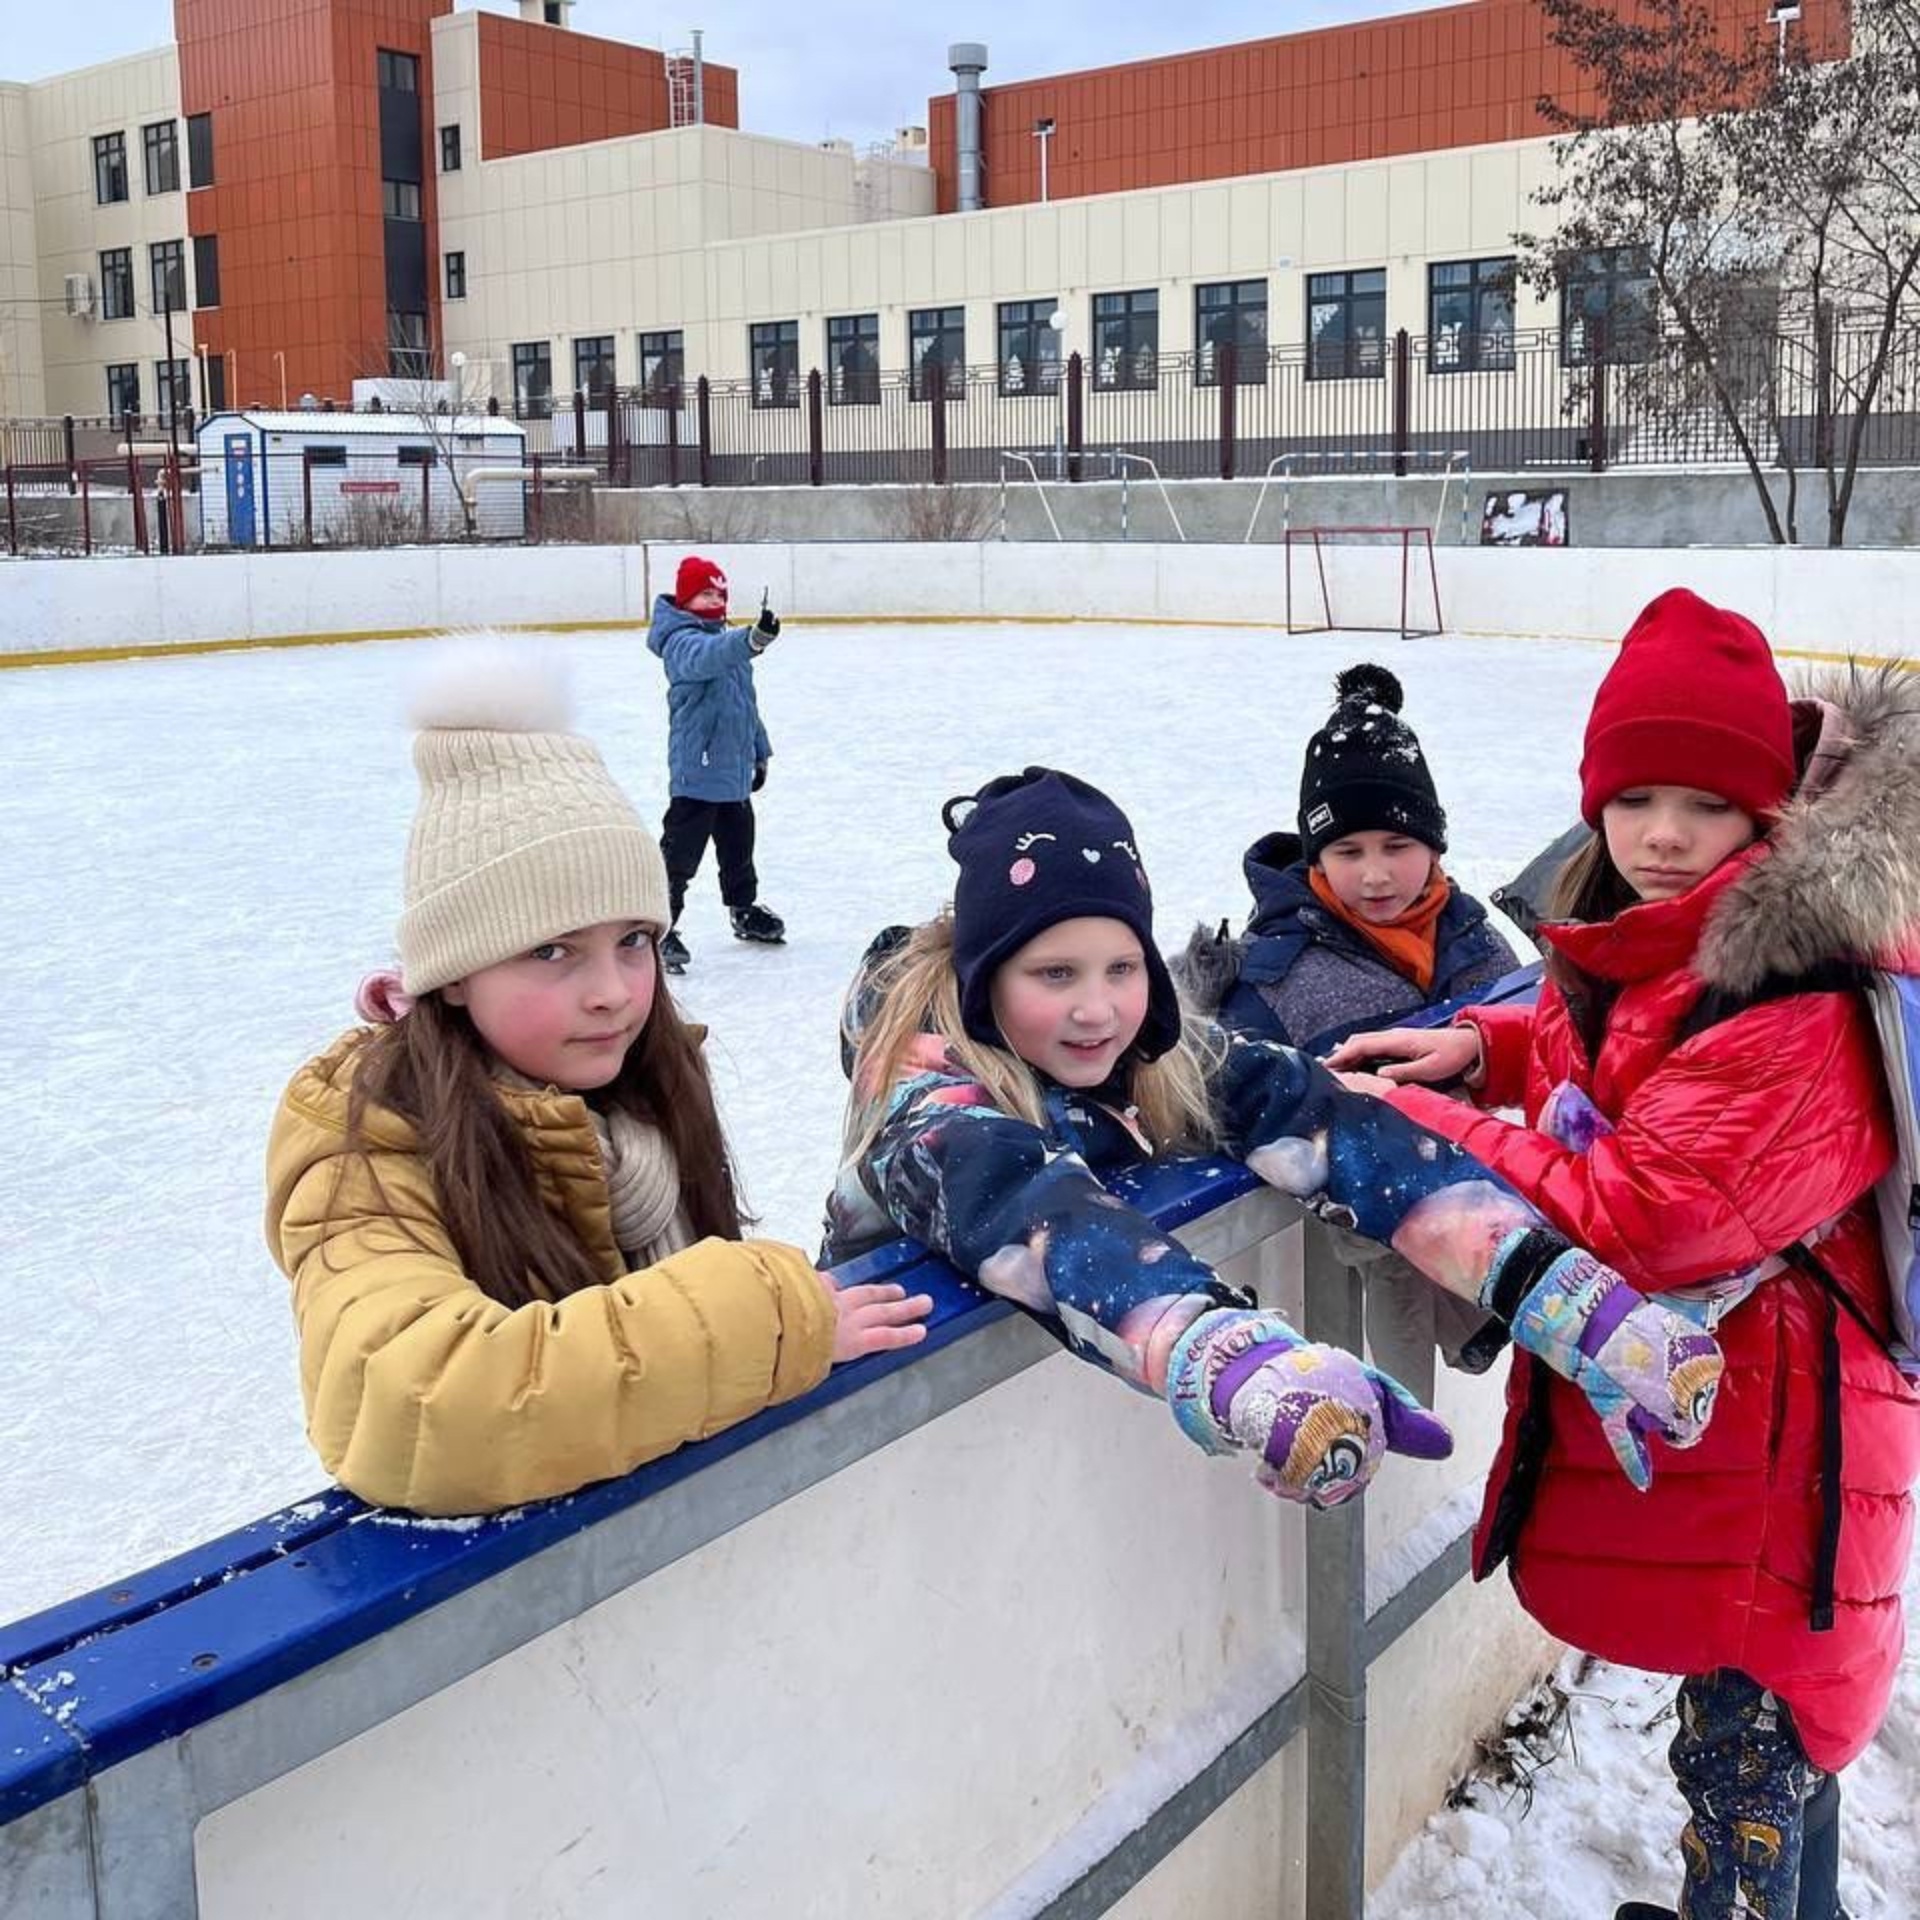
[648, 259]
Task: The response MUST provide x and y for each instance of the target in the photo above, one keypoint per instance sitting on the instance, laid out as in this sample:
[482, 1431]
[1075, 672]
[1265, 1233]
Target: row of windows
[166, 277]
[1470, 329]
[160, 148]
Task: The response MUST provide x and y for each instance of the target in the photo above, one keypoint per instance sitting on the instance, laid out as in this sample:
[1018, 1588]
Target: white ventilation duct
[968, 59]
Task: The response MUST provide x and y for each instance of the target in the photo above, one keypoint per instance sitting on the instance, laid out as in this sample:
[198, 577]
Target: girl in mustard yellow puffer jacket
[508, 1212]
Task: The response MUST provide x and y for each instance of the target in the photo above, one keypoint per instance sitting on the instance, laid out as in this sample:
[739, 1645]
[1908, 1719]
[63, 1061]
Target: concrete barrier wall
[1624, 508]
[1805, 599]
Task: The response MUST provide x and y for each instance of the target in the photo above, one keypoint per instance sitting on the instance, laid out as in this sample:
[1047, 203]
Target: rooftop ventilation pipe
[968, 59]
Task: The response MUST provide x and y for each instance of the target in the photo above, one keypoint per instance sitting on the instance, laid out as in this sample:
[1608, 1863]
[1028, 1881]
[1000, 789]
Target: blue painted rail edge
[88, 1683]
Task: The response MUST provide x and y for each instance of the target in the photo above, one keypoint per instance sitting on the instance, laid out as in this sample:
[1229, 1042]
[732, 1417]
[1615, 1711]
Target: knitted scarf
[643, 1188]
[1408, 944]
[643, 1180]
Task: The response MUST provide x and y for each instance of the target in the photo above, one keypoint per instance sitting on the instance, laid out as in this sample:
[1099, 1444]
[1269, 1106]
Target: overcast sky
[807, 72]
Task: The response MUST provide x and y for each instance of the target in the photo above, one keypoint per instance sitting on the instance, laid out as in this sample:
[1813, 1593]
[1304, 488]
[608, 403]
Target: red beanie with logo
[695, 577]
[1694, 700]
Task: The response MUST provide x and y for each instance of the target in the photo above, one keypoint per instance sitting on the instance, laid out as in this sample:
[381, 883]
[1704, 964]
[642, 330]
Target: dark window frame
[853, 360]
[1230, 316]
[116, 283]
[454, 268]
[596, 365]
[416, 456]
[160, 152]
[528, 357]
[111, 182]
[926, 328]
[122, 375]
[206, 270]
[1028, 323]
[332, 453]
[1622, 278]
[397, 197]
[199, 149]
[773, 363]
[663, 363]
[450, 147]
[181, 382]
[1359, 350]
[1136, 362]
[1477, 347]
[397, 72]
[167, 276]
[409, 346]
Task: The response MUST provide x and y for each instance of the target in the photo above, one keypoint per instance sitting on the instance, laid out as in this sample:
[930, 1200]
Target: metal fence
[1499, 404]
[1508, 403]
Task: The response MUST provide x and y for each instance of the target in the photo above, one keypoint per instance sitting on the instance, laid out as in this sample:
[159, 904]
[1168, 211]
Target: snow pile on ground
[1565, 1824]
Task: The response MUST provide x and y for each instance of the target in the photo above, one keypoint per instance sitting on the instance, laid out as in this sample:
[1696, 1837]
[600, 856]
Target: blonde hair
[914, 990]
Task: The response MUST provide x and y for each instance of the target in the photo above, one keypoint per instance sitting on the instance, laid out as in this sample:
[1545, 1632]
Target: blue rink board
[97, 1679]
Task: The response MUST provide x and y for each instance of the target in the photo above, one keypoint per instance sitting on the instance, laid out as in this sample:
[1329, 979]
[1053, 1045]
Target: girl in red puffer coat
[1706, 1110]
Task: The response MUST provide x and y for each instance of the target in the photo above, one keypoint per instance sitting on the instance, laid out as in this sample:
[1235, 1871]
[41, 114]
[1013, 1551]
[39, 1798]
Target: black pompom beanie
[1036, 848]
[1364, 771]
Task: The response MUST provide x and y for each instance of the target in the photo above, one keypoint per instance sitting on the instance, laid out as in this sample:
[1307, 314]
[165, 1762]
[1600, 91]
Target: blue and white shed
[269, 478]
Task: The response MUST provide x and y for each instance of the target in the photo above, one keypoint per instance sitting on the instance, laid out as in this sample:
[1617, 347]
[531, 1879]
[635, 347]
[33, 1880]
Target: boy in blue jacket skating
[717, 750]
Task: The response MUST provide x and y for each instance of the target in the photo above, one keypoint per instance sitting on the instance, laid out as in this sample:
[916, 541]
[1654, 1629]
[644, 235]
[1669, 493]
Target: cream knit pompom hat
[521, 833]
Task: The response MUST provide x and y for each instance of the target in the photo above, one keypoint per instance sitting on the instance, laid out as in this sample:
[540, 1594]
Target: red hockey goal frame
[1414, 541]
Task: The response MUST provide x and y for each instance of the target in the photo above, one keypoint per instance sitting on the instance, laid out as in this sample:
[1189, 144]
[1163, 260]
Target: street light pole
[1043, 132]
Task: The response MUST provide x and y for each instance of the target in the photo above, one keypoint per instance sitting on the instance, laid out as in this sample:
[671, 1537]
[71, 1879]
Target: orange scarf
[1409, 944]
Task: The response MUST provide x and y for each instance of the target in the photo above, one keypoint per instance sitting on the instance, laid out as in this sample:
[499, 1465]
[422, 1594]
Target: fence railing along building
[1506, 403]
[1510, 403]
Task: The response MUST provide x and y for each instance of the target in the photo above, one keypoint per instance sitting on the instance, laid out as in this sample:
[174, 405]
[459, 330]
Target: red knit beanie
[1694, 700]
[695, 577]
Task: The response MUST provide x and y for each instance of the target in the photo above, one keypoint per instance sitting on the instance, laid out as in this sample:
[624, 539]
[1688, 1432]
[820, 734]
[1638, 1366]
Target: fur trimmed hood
[1840, 876]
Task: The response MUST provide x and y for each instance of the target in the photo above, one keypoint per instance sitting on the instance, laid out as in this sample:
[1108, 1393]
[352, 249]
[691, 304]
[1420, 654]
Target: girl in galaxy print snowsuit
[1005, 1056]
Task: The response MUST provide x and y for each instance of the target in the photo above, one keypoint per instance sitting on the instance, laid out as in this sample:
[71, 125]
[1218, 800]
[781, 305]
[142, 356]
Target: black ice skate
[673, 952]
[755, 923]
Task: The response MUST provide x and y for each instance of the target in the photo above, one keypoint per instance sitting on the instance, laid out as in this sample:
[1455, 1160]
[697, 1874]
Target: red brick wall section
[543, 87]
[1446, 77]
[296, 204]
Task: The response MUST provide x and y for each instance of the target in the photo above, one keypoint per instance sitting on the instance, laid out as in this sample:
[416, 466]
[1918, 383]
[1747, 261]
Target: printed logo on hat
[1320, 818]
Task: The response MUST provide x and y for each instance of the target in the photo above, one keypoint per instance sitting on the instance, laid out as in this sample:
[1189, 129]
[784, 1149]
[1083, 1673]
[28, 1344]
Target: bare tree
[937, 511]
[1776, 208]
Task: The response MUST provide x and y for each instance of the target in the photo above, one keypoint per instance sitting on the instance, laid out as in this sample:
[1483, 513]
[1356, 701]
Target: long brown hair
[915, 990]
[1588, 888]
[433, 1069]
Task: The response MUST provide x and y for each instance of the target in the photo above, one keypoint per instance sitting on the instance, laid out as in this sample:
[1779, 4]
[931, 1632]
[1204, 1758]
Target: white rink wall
[1805, 599]
[943, 1681]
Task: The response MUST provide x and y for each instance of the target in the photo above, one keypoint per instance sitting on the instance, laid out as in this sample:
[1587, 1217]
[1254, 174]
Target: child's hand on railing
[875, 1318]
[1320, 1420]
[1643, 1368]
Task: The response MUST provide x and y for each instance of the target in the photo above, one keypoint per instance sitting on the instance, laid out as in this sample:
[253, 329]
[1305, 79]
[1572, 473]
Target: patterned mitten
[1319, 1420]
[1644, 1369]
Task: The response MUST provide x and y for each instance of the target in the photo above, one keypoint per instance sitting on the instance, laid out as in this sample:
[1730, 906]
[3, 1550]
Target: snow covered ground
[199, 857]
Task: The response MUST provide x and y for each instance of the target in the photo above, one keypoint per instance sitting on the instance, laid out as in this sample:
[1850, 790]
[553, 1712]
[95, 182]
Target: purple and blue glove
[1319, 1420]
[1644, 1369]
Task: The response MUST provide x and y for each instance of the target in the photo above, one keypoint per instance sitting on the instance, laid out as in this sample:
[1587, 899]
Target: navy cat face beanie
[1036, 848]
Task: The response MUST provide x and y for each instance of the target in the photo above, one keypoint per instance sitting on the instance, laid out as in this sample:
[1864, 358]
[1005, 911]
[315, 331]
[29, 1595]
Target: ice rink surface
[201, 855]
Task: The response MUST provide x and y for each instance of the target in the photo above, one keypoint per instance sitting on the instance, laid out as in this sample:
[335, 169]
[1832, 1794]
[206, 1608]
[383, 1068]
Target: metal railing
[1520, 401]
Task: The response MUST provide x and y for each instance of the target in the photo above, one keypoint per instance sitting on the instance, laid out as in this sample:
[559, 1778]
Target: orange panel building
[312, 167]
[1415, 83]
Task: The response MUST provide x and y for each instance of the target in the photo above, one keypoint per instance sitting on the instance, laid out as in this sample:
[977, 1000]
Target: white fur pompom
[494, 681]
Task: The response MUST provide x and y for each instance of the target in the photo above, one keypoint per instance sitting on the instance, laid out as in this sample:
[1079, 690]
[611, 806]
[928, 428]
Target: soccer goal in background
[1363, 580]
[1364, 572]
